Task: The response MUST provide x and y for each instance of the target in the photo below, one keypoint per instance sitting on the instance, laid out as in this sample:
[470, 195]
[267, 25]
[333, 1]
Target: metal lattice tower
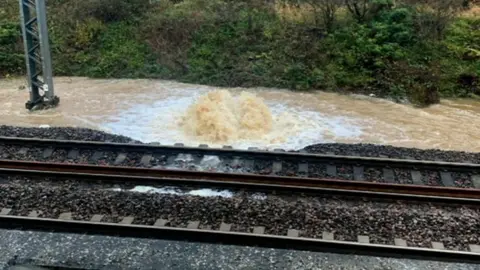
[37, 55]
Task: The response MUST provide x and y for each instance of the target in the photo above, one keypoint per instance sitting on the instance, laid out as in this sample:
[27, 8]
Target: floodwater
[170, 112]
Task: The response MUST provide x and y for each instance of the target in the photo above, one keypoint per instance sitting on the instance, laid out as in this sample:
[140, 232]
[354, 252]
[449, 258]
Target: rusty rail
[160, 230]
[308, 165]
[254, 153]
[163, 176]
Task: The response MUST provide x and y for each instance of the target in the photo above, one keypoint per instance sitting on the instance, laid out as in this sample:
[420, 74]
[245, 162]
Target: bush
[414, 49]
[419, 83]
[110, 10]
[11, 56]
[324, 11]
[169, 30]
[233, 49]
[9, 11]
[86, 33]
[432, 17]
[462, 57]
[363, 10]
[463, 39]
[365, 50]
[120, 55]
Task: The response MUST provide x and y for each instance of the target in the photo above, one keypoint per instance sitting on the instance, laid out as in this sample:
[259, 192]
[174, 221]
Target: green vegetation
[396, 49]
[11, 57]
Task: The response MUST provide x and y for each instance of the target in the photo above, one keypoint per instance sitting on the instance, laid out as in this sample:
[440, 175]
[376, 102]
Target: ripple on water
[149, 110]
[293, 128]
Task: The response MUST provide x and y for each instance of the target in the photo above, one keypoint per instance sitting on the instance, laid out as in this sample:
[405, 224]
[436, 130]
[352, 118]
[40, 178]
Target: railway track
[161, 230]
[146, 176]
[275, 163]
[225, 233]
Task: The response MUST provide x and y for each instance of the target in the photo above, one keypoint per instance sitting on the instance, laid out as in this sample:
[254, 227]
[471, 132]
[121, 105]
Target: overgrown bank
[402, 49]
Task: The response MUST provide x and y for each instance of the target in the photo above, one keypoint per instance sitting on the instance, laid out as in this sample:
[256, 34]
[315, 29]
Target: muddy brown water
[152, 110]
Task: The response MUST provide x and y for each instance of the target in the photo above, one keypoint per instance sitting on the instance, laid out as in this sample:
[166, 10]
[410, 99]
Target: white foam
[211, 193]
[159, 122]
[205, 192]
[210, 162]
[184, 158]
[259, 196]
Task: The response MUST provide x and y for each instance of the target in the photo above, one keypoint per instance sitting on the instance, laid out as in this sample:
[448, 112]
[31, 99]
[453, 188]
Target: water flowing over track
[278, 163]
[146, 176]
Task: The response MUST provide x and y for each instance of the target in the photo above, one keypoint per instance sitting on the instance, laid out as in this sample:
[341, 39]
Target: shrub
[11, 56]
[328, 9]
[169, 30]
[110, 10]
[324, 11]
[462, 56]
[120, 55]
[432, 17]
[369, 49]
[232, 49]
[419, 83]
[87, 32]
[9, 11]
[363, 10]
[415, 49]
[463, 39]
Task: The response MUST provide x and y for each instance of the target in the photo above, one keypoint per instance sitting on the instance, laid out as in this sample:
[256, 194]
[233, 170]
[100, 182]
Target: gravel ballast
[419, 224]
[372, 150]
[347, 218]
[226, 164]
[368, 150]
[63, 133]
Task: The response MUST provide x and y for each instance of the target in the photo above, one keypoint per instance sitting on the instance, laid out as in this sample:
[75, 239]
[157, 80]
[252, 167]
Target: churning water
[171, 112]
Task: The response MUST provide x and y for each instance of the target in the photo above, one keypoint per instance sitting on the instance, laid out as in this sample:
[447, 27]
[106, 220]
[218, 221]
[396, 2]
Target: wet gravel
[159, 161]
[63, 133]
[317, 170]
[289, 169]
[403, 176]
[431, 178]
[419, 224]
[262, 167]
[462, 179]
[373, 175]
[133, 159]
[35, 153]
[368, 150]
[84, 156]
[345, 172]
[347, 218]
[259, 166]
[58, 155]
[371, 150]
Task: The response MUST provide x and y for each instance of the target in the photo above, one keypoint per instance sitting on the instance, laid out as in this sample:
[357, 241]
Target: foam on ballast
[204, 192]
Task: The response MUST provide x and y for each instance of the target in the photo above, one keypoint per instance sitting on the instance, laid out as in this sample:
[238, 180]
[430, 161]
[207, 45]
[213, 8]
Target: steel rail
[234, 238]
[250, 154]
[144, 176]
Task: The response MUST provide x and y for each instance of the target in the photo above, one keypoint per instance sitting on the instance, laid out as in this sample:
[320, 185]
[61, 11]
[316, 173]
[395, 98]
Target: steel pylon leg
[37, 55]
